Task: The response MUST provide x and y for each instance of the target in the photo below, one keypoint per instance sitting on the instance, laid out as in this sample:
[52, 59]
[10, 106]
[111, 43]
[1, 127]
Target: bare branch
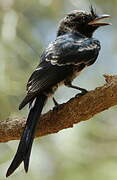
[75, 110]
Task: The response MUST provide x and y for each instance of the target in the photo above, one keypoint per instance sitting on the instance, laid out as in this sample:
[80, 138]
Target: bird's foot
[56, 104]
[83, 92]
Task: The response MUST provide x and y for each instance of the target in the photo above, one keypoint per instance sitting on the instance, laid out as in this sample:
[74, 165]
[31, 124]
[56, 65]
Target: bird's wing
[43, 78]
[72, 49]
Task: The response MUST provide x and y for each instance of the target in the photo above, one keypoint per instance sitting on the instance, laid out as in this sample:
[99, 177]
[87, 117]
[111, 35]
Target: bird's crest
[92, 10]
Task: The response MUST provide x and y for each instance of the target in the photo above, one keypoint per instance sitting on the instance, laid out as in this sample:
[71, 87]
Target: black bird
[72, 51]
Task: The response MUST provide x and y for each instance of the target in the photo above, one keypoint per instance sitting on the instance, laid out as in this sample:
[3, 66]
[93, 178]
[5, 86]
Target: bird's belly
[54, 88]
[76, 71]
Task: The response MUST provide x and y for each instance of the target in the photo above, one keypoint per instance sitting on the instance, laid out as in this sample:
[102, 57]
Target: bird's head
[82, 22]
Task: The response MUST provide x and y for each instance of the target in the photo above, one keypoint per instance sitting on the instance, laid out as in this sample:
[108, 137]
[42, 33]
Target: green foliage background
[89, 150]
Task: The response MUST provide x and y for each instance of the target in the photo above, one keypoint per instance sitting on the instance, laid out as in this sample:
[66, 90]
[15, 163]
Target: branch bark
[74, 111]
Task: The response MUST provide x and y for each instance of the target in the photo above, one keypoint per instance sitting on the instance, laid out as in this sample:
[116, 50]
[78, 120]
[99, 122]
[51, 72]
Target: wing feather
[71, 49]
[44, 79]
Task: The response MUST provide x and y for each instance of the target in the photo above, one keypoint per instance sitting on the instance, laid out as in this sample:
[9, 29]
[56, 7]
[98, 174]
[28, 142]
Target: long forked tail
[25, 145]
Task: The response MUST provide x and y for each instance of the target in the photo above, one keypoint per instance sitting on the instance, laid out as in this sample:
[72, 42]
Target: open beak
[96, 22]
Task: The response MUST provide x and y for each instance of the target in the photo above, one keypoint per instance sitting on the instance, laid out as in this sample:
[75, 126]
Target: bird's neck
[61, 31]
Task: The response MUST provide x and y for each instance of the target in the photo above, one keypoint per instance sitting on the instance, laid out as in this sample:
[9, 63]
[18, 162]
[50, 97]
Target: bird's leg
[55, 103]
[83, 91]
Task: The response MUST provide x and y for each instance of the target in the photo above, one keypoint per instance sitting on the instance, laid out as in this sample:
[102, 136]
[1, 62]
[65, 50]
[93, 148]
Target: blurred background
[89, 150]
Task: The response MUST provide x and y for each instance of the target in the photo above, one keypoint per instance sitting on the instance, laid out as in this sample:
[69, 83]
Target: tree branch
[75, 110]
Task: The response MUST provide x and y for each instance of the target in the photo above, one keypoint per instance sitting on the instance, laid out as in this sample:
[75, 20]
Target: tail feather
[27, 158]
[25, 145]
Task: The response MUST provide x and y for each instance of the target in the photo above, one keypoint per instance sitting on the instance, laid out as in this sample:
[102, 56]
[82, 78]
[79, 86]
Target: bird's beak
[96, 22]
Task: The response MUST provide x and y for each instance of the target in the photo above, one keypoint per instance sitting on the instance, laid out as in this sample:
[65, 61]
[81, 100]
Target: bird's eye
[72, 16]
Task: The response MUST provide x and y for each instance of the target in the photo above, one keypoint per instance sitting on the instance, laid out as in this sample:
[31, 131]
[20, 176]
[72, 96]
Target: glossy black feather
[25, 145]
[44, 79]
[71, 48]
